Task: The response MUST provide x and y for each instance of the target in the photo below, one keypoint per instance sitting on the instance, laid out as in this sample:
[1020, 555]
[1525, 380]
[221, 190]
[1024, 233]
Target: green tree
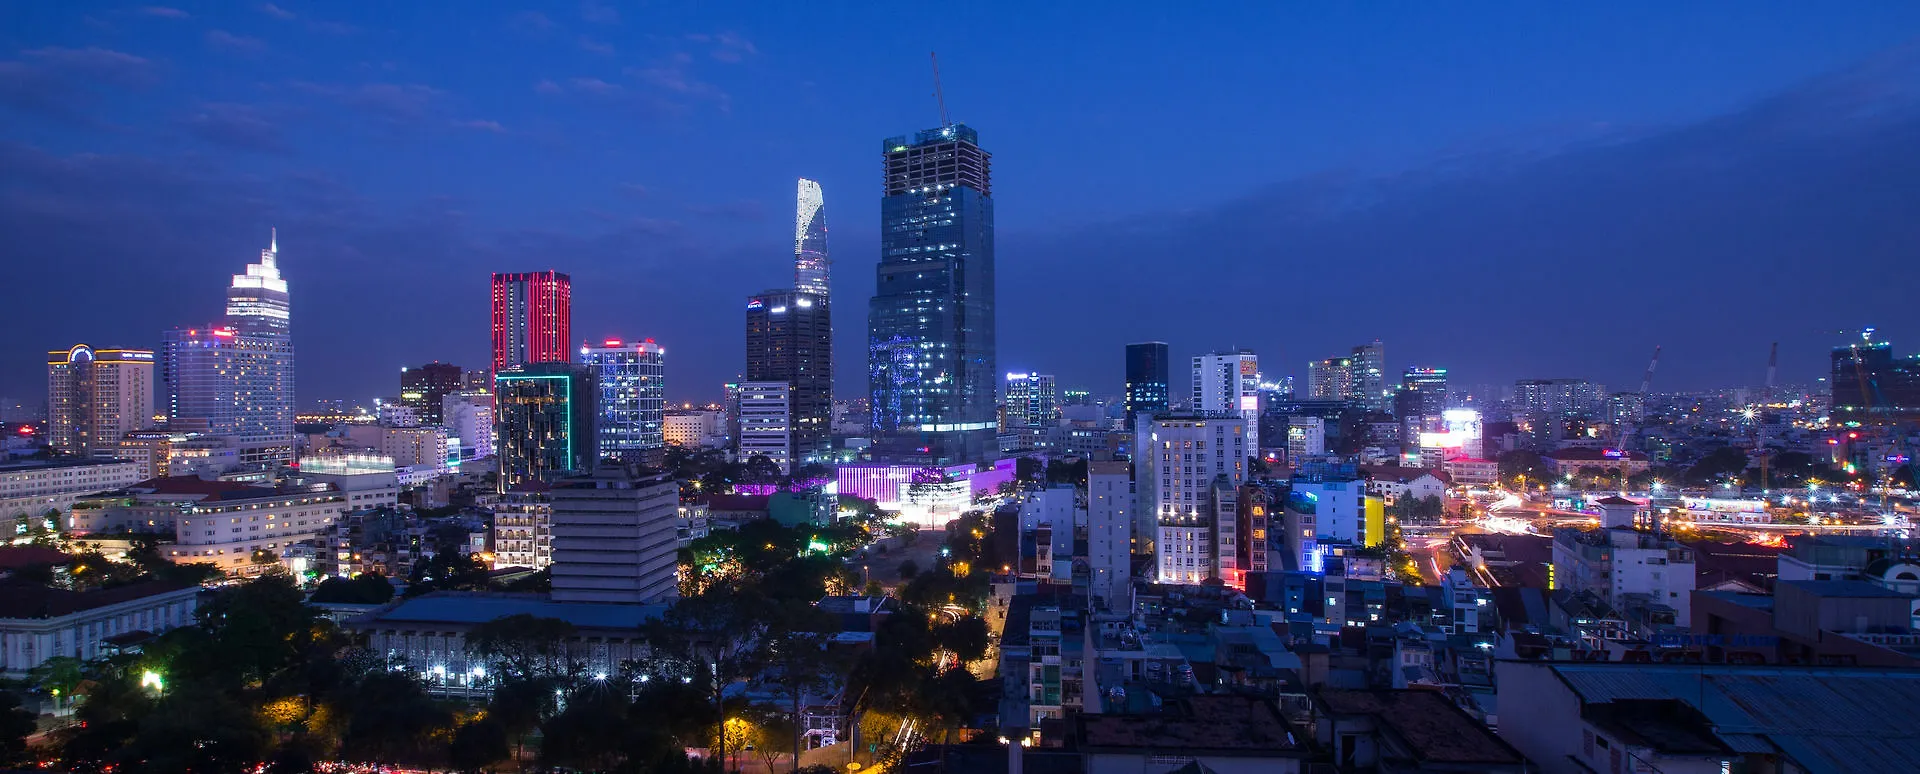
[711, 640]
[478, 745]
[966, 637]
[16, 724]
[523, 646]
[1520, 462]
[908, 569]
[391, 719]
[367, 588]
[798, 649]
[58, 677]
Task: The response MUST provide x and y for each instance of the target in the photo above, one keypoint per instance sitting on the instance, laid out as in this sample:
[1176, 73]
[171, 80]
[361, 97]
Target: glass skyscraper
[235, 378]
[633, 400]
[931, 369]
[1146, 380]
[544, 416]
[810, 262]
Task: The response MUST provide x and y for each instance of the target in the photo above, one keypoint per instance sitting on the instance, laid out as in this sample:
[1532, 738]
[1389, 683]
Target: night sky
[1509, 190]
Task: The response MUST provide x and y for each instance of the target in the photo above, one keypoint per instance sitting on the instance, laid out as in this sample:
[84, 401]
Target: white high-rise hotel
[1187, 473]
[234, 378]
[1229, 383]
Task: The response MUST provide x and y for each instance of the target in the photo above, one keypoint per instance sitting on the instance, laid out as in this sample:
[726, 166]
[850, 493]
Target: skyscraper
[532, 318]
[766, 423]
[811, 264]
[632, 376]
[423, 388]
[931, 350]
[1187, 469]
[235, 378]
[790, 340]
[96, 396]
[1330, 379]
[1032, 401]
[544, 416]
[1229, 383]
[1146, 380]
[1419, 402]
[1369, 387]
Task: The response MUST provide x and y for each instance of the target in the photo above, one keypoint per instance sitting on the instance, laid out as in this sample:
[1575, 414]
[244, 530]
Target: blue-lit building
[931, 356]
[631, 376]
[544, 416]
[1146, 380]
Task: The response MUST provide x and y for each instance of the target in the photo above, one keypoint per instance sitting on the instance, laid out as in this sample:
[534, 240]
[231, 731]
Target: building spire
[273, 243]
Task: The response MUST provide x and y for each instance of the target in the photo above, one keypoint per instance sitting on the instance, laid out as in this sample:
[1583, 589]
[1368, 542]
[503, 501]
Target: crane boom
[938, 94]
[1629, 425]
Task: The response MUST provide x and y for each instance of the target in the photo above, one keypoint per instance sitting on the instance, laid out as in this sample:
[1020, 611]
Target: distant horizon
[1570, 190]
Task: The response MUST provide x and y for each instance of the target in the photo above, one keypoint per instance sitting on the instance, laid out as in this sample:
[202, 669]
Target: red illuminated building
[532, 318]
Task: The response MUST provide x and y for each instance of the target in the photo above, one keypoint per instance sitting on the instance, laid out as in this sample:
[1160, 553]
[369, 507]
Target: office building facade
[790, 340]
[544, 417]
[615, 537]
[95, 396]
[1110, 534]
[1419, 402]
[1871, 386]
[766, 423]
[1229, 383]
[1369, 378]
[1032, 401]
[1330, 379]
[631, 376]
[1187, 471]
[931, 347]
[235, 378]
[532, 314]
[1147, 375]
[424, 388]
[1558, 398]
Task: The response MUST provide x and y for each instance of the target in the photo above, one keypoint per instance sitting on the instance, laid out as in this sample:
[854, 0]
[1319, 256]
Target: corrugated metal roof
[1827, 720]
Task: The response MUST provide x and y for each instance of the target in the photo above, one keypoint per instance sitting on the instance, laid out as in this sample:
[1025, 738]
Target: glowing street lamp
[151, 679]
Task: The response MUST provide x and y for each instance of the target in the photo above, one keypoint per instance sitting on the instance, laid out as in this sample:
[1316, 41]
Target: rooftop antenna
[937, 93]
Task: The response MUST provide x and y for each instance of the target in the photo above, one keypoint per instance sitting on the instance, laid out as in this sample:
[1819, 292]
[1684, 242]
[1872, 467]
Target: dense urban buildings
[95, 396]
[1872, 386]
[632, 379]
[1032, 400]
[614, 537]
[1359, 378]
[544, 420]
[532, 315]
[1558, 398]
[1419, 402]
[1147, 375]
[425, 388]
[1229, 383]
[1330, 379]
[931, 350]
[234, 379]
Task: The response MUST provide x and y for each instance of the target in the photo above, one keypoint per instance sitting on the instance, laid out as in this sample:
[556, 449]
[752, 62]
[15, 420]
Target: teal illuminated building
[544, 417]
[931, 351]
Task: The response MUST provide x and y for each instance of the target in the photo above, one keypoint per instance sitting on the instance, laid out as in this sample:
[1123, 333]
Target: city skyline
[688, 249]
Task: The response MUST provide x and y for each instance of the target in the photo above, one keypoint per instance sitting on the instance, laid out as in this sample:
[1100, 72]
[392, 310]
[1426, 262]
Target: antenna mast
[937, 93]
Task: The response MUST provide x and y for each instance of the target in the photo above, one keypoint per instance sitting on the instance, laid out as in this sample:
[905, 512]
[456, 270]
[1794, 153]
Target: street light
[151, 679]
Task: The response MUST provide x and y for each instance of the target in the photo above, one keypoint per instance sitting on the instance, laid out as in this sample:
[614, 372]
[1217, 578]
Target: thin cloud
[634, 190]
[238, 44]
[594, 86]
[277, 12]
[58, 82]
[236, 126]
[482, 125]
[164, 12]
[596, 13]
[726, 46]
[595, 47]
[534, 22]
[397, 103]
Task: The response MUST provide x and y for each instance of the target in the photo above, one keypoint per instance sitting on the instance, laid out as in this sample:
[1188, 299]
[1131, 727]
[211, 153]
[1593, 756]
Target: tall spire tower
[810, 262]
[257, 301]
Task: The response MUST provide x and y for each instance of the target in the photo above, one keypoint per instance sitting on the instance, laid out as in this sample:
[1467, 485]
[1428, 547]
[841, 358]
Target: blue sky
[1264, 151]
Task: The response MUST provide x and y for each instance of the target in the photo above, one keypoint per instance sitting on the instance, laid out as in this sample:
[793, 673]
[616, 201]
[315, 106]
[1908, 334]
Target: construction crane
[1628, 425]
[938, 95]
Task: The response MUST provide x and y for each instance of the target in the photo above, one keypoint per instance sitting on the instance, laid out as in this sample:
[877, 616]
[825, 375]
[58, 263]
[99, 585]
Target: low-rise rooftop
[1431, 727]
[468, 608]
[1213, 725]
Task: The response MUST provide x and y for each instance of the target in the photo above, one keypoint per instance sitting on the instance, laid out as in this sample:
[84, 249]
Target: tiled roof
[15, 557]
[1221, 725]
[1433, 727]
[28, 600]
